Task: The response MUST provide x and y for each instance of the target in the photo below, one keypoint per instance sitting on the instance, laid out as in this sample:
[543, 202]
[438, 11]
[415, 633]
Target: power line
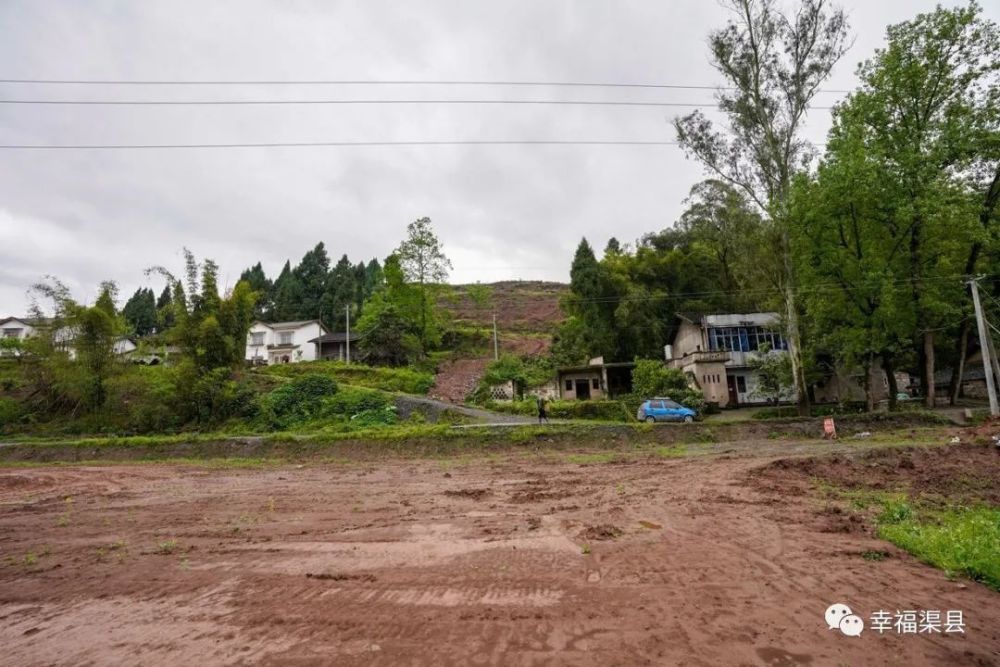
[344, 144]
[819, 288]
[371, 82]
[596, 103]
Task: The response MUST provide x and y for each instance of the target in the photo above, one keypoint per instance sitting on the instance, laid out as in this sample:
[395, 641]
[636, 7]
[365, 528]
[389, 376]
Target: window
[671, 404]
[595, 383]
[257, 338]
[285, 338]
[657, 404]
[741, 384]
[12, 333]
[744, 339]
[569, 385]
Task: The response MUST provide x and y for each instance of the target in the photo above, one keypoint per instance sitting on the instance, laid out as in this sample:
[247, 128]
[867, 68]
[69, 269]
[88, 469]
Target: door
[734, 397]
[672, 411]
[583, 390]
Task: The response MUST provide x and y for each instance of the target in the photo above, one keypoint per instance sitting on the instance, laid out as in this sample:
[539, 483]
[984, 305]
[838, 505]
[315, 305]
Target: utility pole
[985, 347]
[496, 345]
[348, 340]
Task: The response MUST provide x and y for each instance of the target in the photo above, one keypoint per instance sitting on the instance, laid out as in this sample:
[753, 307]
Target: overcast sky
[502, 212]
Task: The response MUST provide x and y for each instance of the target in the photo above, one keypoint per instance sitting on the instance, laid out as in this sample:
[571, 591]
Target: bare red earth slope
[527, 312]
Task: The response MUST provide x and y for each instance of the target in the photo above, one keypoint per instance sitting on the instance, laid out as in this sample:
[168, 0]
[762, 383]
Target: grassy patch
[406, 380]
[963, 540]
[166, 547]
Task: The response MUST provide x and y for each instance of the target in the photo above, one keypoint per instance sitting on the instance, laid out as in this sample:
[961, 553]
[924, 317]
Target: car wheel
[688, 419]
[650, 419]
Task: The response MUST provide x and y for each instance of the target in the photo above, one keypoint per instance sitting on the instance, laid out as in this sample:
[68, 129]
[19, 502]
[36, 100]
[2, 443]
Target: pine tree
[259, 283]
[164, 310]
[140, 312]
[287, 296]
[312, 275]
[339, 295]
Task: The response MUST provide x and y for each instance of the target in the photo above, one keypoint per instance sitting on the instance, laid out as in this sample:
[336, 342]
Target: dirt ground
[708, 560]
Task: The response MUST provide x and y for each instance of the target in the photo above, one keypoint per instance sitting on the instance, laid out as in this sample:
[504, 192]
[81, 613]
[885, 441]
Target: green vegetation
[405, 380]
[166, 547]
[613, 411]
[963, 540]
[523, 372]
[652, 378]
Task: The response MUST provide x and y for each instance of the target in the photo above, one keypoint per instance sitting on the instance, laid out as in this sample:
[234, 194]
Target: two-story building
[714, 352]
[283, 342]
[16, 328]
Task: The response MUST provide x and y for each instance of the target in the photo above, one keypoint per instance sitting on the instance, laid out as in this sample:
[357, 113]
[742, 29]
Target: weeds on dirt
[963, 540]
[166, 547]
[586, 549]
[675, 452]
[960, 540]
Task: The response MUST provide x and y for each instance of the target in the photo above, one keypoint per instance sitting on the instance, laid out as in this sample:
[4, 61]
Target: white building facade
[715, 350]
[15, 328]
[283, 342]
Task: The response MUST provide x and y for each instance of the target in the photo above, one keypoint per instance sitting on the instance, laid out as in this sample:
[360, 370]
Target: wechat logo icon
[840, 617]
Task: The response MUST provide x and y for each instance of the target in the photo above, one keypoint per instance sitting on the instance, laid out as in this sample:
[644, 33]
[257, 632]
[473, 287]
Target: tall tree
[87, 334]
[340, 294]
[164, 309]
[590, 306]
[720, 217]
[425, 265]
[259, 283]
[287, 296]
[773, 65]
[390, 325]
[312, 275]
[922, 105]
[140, 312]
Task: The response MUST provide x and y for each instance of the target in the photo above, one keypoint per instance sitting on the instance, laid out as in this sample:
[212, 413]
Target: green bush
[405, 380]
[10, 412]
[652, 378]
[297, 401]
[145, 397]
[600, 410]
[351, 401]
[384, 416]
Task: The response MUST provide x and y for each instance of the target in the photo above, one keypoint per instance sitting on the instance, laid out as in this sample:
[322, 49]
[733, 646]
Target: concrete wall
[589, 376]
[301, 335]
[688, 339]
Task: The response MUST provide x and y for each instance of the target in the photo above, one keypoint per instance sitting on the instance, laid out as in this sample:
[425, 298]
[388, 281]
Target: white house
[17, 328]
[283, 342]
[715, 350]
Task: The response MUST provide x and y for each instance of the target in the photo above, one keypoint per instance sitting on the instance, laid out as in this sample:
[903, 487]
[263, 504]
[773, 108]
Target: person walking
[541, 410]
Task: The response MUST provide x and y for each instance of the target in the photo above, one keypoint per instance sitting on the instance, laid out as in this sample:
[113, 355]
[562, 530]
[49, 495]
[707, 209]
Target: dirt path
[409, 403]
[510, 561]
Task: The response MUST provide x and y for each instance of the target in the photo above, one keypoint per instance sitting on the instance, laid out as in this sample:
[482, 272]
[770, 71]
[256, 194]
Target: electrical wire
[344, 144]
[596, 103]
[372, 82]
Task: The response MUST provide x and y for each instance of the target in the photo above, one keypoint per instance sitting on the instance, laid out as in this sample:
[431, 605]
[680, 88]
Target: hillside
[527, 313]
[530, 307]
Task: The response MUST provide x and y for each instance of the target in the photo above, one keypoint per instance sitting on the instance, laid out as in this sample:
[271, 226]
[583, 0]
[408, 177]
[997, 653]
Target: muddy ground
[707, 560]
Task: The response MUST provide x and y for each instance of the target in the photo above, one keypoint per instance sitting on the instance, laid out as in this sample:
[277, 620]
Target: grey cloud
[502, 212]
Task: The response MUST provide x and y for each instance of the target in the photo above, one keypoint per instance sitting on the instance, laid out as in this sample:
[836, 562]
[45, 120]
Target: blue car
[664, 410]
